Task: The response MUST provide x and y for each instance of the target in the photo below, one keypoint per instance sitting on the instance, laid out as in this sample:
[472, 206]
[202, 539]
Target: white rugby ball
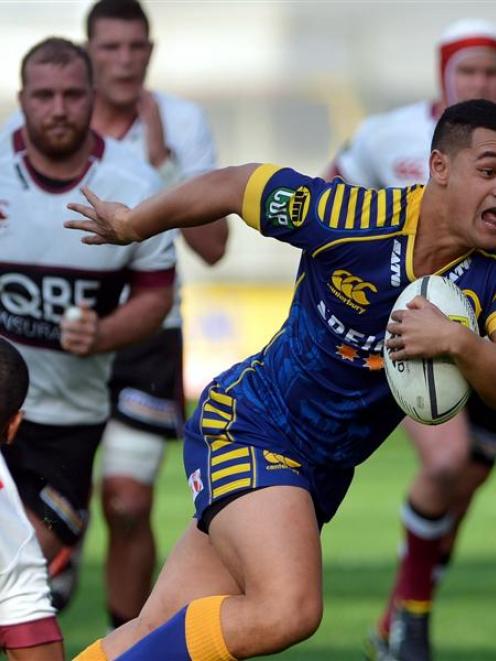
[431, 391]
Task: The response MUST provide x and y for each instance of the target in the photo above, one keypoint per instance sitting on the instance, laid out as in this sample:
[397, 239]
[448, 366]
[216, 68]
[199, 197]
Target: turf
[359, 554]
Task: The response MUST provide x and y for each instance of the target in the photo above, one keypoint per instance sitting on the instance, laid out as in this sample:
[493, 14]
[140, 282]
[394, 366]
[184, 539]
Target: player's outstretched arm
[198, 201]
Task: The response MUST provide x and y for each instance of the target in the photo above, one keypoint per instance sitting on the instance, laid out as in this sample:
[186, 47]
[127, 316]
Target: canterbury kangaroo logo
[352, 286]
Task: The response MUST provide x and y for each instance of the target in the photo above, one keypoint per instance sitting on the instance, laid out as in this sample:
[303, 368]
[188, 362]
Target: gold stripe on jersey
[231, 486]
[221, 398]
[355, 207]
[365, 211]
[414, 198]
[395, 219]
[336, 205]
[491, 324]
[240, 453]
[350, 218]
[213, 409]
[218, 442]
[321, 206]
[218, 414]
[253, 193]
[230, 470]
[382, 215]
[469, 293]
[355, 239]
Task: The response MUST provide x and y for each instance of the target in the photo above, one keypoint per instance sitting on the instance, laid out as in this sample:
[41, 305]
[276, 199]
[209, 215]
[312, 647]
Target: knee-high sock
[192, 634]
[414, 584]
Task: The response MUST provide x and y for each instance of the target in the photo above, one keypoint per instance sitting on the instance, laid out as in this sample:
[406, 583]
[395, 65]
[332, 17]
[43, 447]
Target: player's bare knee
[444, 471]
[126, 504]
[292, 619]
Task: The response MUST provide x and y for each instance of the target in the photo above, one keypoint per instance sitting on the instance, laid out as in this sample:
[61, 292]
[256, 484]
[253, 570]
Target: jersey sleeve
[307, 212]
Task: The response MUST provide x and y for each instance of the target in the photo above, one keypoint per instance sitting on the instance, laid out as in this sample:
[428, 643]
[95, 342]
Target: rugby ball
[431, 391]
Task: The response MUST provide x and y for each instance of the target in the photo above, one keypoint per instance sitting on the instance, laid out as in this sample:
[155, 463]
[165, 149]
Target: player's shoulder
[403, 118]
[7, 153]
[171, 104]
[14, 121]
[181, 116]
[120, 160]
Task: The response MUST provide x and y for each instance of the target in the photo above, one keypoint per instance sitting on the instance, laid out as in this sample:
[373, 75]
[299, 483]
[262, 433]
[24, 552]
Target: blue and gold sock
[192, 634]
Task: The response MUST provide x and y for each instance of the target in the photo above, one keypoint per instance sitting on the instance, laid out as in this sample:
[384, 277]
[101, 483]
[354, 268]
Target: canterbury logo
[352, 286]
[273, 458]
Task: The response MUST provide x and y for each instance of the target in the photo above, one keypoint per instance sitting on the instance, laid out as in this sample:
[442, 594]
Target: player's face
[475, 76]
[472, 191]
[120, 52]
[57, 102]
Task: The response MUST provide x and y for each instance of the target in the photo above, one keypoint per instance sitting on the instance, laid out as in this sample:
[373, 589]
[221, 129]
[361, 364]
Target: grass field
[359, 554]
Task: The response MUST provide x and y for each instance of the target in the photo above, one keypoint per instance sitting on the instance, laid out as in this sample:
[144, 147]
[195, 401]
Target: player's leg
[482, 422]
[193, 569]
[268, 541]
[427, 517]
[52, 467]
[147, 399]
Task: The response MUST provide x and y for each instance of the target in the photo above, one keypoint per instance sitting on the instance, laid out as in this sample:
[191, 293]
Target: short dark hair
[14, 382]
[457, 123]
[56, 50]
[124, 10]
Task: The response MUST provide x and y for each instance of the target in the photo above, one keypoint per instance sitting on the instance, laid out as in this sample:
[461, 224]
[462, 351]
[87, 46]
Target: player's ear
[439, 167]
[13, 426]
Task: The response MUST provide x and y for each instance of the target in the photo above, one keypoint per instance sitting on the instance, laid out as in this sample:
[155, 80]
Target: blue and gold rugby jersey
[317, 391]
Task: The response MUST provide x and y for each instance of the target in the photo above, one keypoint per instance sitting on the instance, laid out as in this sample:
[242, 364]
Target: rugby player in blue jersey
[271, 449]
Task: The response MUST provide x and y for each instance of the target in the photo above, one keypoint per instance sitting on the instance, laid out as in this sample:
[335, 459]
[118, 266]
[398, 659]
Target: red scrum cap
[459, 40]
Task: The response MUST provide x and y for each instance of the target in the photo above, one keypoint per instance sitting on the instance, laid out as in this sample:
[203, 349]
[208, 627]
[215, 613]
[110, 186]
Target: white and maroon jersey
[391, 149]
[24, 594]
[186, 131]
[188, 135]
[44, 268]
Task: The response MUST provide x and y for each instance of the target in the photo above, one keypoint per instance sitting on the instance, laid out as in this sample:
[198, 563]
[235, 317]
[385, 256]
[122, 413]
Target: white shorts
[24, 592]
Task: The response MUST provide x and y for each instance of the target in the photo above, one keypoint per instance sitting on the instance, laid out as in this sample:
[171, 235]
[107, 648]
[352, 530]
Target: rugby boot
[409, 636]
[377, 648]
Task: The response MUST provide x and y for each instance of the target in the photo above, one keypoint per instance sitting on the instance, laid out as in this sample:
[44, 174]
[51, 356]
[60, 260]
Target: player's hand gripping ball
[431, 390]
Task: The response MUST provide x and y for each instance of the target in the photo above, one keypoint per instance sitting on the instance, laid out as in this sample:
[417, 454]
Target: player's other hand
[156, 141]
[80, 336]
[107, 222]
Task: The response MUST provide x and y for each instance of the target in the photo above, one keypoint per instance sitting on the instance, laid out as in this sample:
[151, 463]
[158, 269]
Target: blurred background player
[44, 272]
[147, 388]
[392, 150]
[28, 628]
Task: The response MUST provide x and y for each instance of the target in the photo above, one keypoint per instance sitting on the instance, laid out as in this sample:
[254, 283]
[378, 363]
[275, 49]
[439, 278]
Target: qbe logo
[32, 305]
[45, 297]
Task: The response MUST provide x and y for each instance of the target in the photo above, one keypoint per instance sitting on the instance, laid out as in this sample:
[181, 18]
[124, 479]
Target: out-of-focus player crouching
[28, 628]
[392, 149]
[43, 273]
